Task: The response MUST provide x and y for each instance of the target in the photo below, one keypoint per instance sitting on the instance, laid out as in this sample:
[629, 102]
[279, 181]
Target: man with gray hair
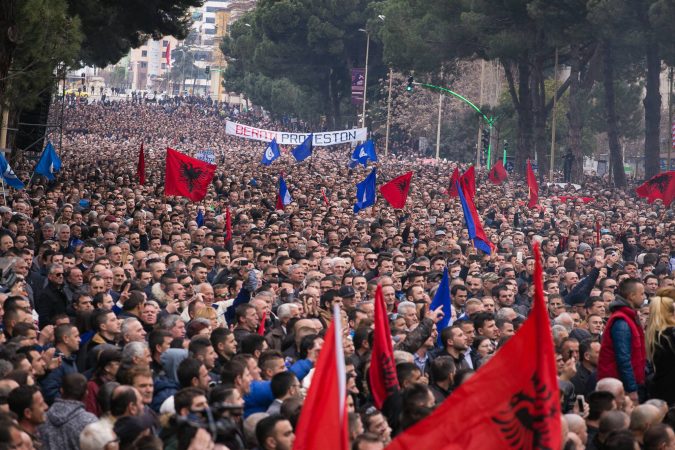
[285, 313]
[134, 354]
[132, 331]
[408, 311]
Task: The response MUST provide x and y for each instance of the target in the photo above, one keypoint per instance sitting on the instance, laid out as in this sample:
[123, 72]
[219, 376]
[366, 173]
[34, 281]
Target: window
[144, 53]
[144, 64]
[210, 31]
[165, 43]
[163, 66]
[210, 20]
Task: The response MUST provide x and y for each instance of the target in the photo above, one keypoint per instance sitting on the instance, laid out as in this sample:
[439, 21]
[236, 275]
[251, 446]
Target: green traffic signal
[409, 88]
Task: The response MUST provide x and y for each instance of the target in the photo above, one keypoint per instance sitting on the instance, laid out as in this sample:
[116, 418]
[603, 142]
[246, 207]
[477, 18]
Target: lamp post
[365, 78]
[386, 138]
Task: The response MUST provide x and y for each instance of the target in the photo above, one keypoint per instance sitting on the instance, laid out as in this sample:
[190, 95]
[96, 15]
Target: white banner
[206, 155]
[321, 138]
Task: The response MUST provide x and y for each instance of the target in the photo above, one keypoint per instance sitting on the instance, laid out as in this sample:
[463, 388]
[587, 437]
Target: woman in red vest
[660, 339]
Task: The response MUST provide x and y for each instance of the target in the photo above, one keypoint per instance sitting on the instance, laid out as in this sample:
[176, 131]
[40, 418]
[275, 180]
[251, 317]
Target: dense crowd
[127, 324]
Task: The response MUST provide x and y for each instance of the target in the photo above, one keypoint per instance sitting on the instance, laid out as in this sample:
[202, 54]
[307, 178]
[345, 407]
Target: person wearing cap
[130, 428]
[348, 296]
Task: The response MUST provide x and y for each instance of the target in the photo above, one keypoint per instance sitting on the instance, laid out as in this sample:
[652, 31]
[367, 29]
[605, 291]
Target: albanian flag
[661, 186]
[187, 177]
[228, 225]
[396, 190]
[498, 174]
[454, 179]
[532, 185]
[468, 182]
[504, 405]
[382, 373]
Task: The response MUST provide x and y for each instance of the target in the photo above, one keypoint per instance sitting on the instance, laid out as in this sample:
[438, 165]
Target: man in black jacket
[52, 299]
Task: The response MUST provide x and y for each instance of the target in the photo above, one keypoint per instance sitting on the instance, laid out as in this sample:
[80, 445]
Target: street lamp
[365, 77]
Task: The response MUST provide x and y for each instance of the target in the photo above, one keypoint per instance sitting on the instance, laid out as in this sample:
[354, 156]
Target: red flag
[498, 174]
[468, 180]
[323, 420]
[228, 225]
[261, 326]
[187, 177]
[661, 186]
[597, 233]
[382, 372]
[454, 179]
[396, 190]
[140, 169]
[325, 199]
[504, 405]
[168, 55]
[532, 185]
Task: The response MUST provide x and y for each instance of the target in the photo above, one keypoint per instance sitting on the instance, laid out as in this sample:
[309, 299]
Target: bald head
[612, 421]
[577, 425]
[614, 386]
[643, 417]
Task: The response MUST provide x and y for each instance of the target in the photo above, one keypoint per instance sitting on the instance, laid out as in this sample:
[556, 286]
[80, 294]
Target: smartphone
[580, 403]
[519, 257]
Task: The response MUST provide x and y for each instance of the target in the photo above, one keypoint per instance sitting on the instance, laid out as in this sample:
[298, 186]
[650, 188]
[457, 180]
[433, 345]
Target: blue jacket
[621, 336]
[260, 396]
[51, 384]
[583, 288]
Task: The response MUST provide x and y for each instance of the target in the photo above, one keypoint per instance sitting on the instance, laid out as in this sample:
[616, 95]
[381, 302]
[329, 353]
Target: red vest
[607, 361]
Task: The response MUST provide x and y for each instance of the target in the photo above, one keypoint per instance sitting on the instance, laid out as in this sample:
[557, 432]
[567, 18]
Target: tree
[40, 37]
[308, 44]
[112, 28]
[441, 31]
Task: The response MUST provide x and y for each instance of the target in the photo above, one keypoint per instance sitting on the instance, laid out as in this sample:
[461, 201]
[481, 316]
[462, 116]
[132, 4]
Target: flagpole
[4, 194]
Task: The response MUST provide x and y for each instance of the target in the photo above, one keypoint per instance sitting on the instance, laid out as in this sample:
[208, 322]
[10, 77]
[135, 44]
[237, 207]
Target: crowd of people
[127, 324]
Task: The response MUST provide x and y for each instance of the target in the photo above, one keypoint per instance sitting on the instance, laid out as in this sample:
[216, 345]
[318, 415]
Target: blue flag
[200, 218]
[253, 182]
[365, 192]
[472, 220]
[50, 163]
[362, 153]
[272, 152]
[8, 174]
[442, 298]
[304, 150]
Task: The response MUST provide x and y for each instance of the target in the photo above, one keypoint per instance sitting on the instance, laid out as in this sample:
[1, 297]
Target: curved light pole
[489, 120]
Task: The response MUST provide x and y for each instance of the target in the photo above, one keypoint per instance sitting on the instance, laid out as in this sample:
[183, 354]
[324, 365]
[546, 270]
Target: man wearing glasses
[52, 300]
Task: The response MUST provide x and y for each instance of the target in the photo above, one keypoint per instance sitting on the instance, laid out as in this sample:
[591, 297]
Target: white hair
[405, 305]
[96, 435]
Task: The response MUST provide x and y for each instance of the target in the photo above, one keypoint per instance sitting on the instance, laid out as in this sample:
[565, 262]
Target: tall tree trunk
[615, 156]
[652, 104]
[539, 117]
[574, 115]
[8, 40]
[521, 96]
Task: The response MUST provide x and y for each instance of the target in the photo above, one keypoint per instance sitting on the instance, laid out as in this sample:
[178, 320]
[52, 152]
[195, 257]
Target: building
[148, 67]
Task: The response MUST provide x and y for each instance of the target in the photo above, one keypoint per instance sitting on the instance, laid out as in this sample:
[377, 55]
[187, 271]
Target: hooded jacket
[166, 384]
[65, 421]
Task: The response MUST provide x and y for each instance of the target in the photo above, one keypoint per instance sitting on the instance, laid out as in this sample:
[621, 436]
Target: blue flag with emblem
[366, 192]
[272, 152]
[200, 218]
[442, 299]
[49, 163]
[8, 174]
[362, 153]
[304, 150]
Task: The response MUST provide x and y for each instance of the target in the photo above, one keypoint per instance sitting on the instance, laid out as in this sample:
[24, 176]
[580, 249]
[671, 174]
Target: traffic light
[82, 76]
[208, 70]
[485, 140]
[409, 88]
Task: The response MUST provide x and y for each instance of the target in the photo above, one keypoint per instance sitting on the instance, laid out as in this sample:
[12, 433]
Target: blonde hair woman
[660, 341]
